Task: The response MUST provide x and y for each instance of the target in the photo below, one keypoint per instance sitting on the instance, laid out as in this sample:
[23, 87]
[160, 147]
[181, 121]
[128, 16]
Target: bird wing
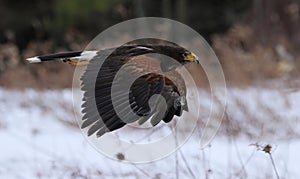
[102, 108]
[98, 96]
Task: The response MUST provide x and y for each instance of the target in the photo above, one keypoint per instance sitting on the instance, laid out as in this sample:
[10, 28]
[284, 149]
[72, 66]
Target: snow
[40, 138]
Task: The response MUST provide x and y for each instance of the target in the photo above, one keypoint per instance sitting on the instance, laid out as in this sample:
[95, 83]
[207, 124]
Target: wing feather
[100, 112]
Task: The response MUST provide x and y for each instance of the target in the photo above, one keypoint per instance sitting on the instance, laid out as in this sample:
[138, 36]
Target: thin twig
[187, 164]
[204, 166]
[141, 170]
[274, 166]
[184, 159]
[244, 165]
[267, 149]
[176, 153]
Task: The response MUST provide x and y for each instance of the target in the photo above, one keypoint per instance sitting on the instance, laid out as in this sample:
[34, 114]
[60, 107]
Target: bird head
[190, 57]
[179, 54]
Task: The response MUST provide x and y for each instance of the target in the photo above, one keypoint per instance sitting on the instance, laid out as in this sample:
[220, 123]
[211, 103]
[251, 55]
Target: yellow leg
[76, 63]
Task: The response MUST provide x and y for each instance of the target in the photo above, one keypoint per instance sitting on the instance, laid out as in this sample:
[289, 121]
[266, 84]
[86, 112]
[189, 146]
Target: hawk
[108, 105]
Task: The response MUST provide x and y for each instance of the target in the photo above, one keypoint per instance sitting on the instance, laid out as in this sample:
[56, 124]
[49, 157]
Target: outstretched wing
[106, 109]
[101, 105]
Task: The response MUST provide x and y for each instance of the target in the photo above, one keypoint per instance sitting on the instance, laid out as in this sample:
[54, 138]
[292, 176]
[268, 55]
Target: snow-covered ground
[39, 138]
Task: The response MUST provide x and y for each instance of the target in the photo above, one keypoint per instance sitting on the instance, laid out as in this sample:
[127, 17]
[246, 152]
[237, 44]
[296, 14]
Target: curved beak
[192, 58]
[197, 60]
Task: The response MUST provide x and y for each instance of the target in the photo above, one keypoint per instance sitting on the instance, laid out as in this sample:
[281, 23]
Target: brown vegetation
[244, 61]
[263, 46]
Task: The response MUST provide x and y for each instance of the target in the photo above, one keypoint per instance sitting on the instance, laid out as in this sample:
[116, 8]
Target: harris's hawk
[107, 103]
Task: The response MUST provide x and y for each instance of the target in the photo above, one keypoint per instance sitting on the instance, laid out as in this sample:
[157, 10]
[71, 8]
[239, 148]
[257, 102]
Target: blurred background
[256, 41]
[260, 37]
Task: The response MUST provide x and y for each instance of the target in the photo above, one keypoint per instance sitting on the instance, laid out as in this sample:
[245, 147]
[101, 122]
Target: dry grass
[186, 161]
[245, 63]
[244, 59]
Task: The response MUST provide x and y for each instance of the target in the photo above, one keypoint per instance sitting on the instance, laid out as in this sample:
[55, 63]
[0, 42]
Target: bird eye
[186, 54]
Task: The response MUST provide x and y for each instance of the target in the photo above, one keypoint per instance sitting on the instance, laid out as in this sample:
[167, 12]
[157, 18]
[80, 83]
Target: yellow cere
[190, 57]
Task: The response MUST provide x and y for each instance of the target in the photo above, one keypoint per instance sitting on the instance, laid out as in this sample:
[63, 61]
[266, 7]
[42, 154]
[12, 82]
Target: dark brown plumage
[154, 77]
[107, 103]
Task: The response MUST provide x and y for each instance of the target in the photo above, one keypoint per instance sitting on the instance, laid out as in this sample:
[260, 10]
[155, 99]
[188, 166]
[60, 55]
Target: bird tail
[73, 58]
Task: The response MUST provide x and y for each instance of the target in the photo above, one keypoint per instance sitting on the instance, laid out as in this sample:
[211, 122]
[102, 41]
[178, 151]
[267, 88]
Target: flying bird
[107, 103]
